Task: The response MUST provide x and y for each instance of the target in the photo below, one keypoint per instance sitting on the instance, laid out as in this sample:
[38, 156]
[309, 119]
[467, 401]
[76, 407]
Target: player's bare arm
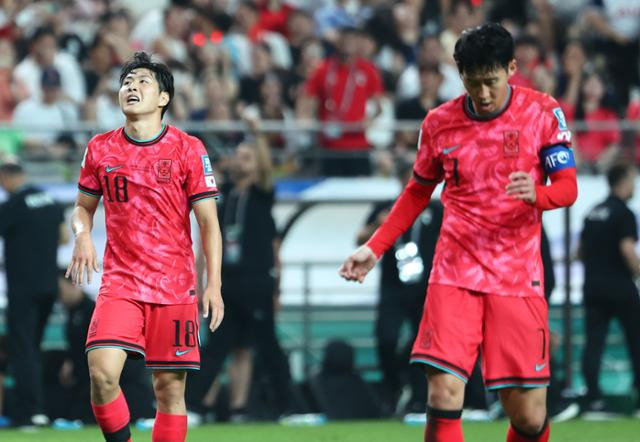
[411, 202]
[207, 217]
[84, 257]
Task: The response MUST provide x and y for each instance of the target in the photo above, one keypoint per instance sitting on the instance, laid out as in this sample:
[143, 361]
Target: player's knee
[168, 390]
[530, 419]
[102, 379]
[445, 393]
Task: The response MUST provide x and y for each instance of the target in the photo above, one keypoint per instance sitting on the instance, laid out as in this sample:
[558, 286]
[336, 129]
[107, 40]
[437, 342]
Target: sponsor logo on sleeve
[562, 121]
[206, 165]
[564, 136]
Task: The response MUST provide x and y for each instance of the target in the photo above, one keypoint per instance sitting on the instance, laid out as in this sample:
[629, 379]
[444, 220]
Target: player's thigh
[172, 335]
[117, 323]
[450, 331]
[515, 350]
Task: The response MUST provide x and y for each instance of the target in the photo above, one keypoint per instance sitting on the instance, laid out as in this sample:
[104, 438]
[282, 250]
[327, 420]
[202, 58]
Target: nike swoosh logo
[111, 169]
[540, 366]
[448, 150]
[182, 352]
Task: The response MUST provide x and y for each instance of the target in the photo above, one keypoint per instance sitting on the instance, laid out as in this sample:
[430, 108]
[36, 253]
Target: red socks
[516, 435]
[113, 419]
[443, 426]
[169, 428]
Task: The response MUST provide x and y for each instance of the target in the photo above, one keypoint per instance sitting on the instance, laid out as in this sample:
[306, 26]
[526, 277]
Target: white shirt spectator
[409, 83]
[53, 118]
[73, 86]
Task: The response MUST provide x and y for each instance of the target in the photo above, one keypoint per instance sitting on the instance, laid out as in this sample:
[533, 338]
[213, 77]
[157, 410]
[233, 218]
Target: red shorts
[165, 335]
[510, 332]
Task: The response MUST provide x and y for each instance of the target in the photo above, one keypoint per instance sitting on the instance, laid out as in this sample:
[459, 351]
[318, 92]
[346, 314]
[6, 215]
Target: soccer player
[150, 176]
[494, 148]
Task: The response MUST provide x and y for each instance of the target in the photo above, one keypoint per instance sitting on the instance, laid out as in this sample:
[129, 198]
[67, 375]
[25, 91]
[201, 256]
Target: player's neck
[143, 130]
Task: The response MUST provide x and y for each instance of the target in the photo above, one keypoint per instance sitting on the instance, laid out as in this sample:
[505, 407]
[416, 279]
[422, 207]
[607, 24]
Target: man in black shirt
[31, 224]
[404, 274]
[607, 248]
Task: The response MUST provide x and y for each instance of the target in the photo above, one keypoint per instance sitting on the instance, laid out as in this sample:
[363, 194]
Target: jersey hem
[437, 362]
[486, 292]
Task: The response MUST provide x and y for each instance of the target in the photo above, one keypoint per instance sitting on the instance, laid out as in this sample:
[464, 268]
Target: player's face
[140, 94]
[488, 89]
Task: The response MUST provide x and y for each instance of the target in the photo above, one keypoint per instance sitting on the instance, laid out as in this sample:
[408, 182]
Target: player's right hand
[84, 257]
[358, 264]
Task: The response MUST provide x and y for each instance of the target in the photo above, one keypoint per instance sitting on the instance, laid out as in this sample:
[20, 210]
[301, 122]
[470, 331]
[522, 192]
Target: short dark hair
[618, 172]
[42, 31]
[484, 48]
[142, 60]
[11, 169]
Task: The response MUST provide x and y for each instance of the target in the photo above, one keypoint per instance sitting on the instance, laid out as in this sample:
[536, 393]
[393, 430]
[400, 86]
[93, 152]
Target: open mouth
[131, 99]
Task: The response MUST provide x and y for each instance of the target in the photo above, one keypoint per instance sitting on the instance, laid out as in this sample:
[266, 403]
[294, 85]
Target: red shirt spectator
[633, 114]
[591, 143]
[274, 15]
[342, 90]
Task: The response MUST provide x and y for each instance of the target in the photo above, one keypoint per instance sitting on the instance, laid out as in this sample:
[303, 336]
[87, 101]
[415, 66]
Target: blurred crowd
[358, 67]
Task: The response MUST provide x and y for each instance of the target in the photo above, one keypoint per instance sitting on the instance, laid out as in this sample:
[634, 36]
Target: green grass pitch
[623, 430]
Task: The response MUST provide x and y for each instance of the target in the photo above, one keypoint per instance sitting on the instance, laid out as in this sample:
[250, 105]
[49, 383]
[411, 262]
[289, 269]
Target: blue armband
[556, 158]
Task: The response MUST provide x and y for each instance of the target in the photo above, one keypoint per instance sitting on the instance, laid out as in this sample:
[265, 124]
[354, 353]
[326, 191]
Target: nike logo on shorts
[182, 352]
[540, 366]
[111, 169]
[448, 150]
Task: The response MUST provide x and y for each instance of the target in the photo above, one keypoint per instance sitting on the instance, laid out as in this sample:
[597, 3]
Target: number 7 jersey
[148, 189]
[489, 241]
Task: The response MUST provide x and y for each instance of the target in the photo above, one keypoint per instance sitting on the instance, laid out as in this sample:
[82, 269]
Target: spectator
[274, 15]
[311, 55]
[31, 224]
[529, 55]
[10, 91]
[618, 24]
[338, 90]
[99, 65]
[171, 44]
[430, 52]
[574, 61]
[597, 147]
[261, 65]
[633, 115]
[151, 25]
[115, 30]
[299, 31]
[52, 112]
[403, 283]
[612, 267]
[430, 82]
[104, 108]
[333, 17]
[43, 53]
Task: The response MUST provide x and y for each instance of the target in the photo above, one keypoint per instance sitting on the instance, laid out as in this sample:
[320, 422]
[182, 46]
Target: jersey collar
[467, 105]
[163, 132]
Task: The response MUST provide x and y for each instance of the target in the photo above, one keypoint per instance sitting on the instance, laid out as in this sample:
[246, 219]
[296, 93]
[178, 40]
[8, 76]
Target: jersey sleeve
[428, 166]
[200, 183]
[89, 181]
[554, 128]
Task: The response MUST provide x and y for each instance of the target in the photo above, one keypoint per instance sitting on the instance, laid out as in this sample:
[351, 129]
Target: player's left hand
[212, 304]
[521, 186]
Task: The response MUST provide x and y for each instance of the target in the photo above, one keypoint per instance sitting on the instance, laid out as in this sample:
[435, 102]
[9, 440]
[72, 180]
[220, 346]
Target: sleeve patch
[562, 121]
[557, 158]
[210, 181]
[206, 165]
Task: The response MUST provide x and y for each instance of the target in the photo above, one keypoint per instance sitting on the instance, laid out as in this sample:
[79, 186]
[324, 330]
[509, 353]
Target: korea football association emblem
[511, 143]
[163, 171]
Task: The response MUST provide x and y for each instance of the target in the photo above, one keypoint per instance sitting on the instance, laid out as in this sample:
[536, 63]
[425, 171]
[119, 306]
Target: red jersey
[489, 241]
[147, 189]
[342, 91]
